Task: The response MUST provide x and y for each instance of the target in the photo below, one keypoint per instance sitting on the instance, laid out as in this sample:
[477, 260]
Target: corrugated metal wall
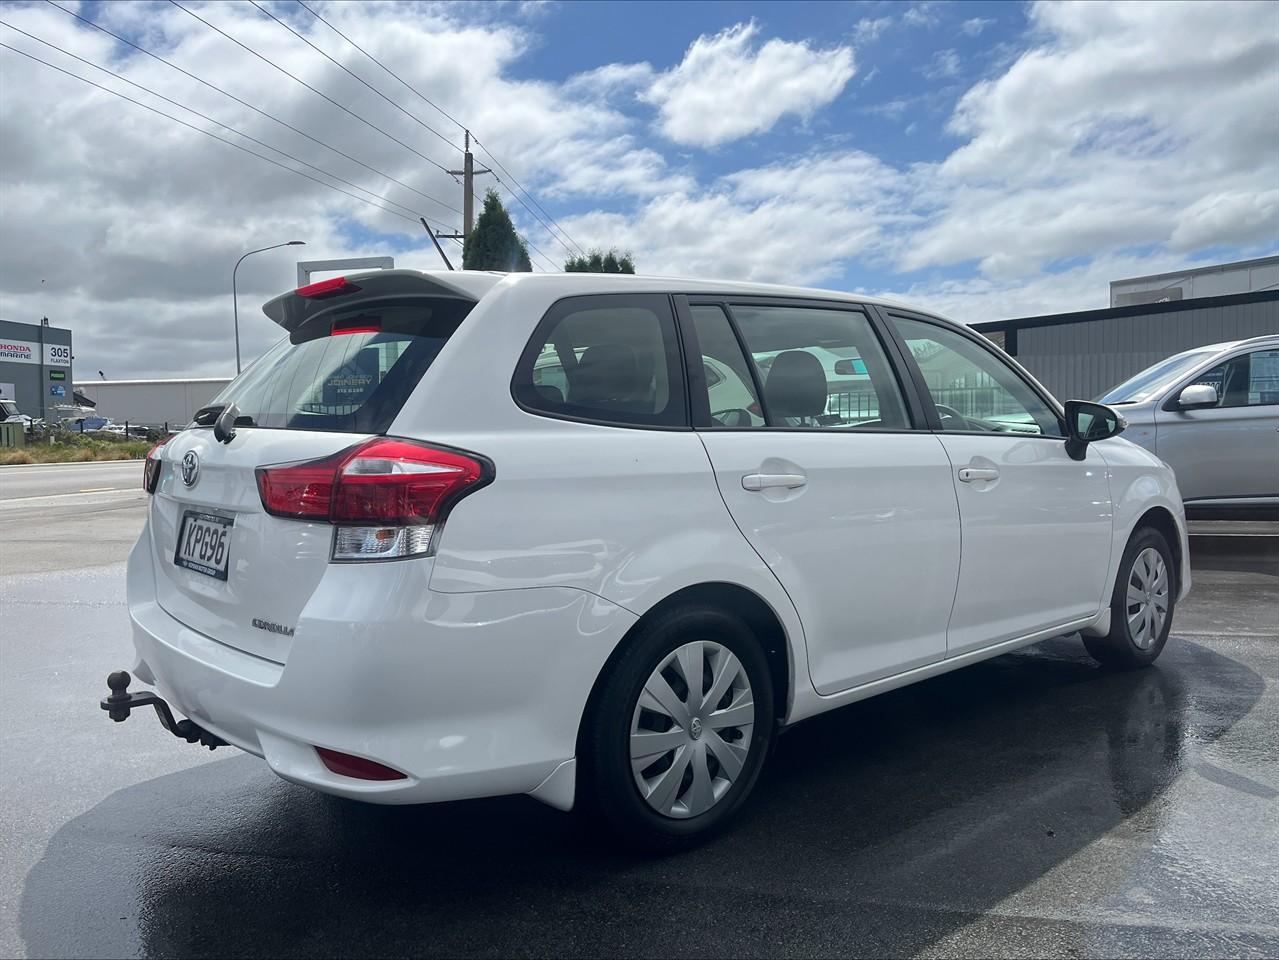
[1084, 360]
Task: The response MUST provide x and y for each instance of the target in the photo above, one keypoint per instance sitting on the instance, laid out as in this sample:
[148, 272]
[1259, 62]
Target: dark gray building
[1082, 355]
[35, 366]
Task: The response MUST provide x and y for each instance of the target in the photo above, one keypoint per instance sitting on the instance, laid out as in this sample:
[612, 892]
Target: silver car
[1212, 414]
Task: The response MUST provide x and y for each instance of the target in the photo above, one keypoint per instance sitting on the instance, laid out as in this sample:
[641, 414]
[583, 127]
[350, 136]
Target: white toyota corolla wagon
[597, 538]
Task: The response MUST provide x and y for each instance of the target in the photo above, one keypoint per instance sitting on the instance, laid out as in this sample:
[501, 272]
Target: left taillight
[151, 466]
[386, 497]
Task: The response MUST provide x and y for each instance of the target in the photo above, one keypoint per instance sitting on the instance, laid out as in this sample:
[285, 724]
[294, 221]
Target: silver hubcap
[691, 732]
[1147, 607]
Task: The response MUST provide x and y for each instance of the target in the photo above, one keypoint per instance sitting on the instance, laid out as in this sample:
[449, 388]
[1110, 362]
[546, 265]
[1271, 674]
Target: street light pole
[235, 300]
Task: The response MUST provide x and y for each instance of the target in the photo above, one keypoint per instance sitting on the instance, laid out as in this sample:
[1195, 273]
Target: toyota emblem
[190, 468]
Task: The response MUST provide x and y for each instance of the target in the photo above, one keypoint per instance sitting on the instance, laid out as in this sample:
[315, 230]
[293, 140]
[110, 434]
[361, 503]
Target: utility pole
[468, 174]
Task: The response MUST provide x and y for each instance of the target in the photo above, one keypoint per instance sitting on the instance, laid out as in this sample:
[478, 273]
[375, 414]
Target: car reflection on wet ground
[1034, 804]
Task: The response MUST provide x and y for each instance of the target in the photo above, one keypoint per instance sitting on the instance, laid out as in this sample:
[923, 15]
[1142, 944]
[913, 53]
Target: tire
[1137, 634]
[665, 813]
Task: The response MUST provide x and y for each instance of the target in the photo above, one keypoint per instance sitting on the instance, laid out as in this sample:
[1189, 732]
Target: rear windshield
[346, 370]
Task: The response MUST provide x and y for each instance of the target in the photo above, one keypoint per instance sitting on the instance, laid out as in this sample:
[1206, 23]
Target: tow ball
[121, 703]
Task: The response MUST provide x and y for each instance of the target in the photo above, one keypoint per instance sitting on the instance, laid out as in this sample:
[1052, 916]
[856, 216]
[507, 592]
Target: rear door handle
[970, 474]
[762, 481]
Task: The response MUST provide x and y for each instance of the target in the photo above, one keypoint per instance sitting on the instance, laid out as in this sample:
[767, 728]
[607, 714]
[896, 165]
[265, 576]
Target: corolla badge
[190, 468]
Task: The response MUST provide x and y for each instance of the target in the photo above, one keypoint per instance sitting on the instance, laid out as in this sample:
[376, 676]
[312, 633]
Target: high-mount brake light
[151, 466]
[385, 496]
[363, 326]
[323, 289]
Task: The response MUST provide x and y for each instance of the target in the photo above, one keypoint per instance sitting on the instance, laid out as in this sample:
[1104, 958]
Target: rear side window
[729, 386]
[608, 358]
[347, 370]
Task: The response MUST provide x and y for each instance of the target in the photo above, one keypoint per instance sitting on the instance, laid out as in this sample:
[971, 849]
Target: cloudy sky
[989, 160]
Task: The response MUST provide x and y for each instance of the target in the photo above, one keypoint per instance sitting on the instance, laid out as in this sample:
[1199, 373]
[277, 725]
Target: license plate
[204, 543]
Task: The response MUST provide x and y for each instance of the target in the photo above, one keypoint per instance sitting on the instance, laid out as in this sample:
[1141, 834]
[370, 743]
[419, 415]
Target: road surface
[62, 515]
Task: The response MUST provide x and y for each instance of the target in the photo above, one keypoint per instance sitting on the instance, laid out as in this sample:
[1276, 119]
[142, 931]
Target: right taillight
[386, 497]
[151, 466]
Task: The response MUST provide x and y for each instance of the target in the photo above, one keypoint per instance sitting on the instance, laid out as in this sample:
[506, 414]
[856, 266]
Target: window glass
[610, 358]
[973, 389]
[352, 382]
[1148, 382]
[821, 368]
[729, 387]
[1251, 380]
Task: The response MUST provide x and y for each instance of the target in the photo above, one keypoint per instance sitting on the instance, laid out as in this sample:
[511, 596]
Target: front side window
[819, 368]
[972, 389]
[1250, 380]
[611, 358]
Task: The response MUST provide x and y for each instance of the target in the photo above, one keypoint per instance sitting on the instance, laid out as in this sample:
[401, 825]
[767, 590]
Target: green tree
[494, 244]
[597, 262]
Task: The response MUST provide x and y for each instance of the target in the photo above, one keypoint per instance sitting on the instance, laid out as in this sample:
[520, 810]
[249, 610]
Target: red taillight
[346, 765]
[373, 489]
[327, 288]
[356, 325]
[151, 466]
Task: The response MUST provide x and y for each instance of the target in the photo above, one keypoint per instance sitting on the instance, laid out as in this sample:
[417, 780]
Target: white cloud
[869, 30]
[975, 26]
[725, 88]
[125, 226]
[922, 14]
[1120, 127]
[1162, 130]
[611, 78]
[944, 64]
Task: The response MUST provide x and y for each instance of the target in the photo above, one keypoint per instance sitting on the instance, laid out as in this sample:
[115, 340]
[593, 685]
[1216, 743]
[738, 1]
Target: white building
[151, 402]
[1218, 280]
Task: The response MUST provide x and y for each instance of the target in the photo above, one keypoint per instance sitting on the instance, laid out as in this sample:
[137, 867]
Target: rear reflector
[346, 765]
[151, 466]
[327, 288]
[386, 495]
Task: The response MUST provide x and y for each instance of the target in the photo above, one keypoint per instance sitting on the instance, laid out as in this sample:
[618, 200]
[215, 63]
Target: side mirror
[1088, 422]
[1196, 396]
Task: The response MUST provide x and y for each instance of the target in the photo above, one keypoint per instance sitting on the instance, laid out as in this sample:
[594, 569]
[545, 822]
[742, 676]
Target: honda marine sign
[23, 351]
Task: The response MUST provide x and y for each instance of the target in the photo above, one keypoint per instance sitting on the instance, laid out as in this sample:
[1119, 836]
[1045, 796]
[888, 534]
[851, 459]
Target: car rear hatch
[356, 349]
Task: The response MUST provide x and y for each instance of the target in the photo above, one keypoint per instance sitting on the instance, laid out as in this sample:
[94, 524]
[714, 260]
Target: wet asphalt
[1033, 805]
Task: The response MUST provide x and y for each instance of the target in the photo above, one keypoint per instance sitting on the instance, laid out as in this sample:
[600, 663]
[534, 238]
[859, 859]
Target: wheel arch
[758, 615]
[1161, 519]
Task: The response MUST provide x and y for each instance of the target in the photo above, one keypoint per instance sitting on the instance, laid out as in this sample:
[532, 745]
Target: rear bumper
[469, 695]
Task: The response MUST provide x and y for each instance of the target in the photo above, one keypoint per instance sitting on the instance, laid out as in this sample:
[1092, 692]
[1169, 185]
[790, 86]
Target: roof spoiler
[295, 309]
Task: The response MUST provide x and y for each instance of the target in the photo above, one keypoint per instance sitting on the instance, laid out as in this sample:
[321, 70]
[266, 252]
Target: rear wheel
[680, 728]
[1141, 606]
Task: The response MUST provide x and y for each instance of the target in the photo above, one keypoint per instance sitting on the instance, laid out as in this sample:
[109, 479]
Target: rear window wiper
[207, 416]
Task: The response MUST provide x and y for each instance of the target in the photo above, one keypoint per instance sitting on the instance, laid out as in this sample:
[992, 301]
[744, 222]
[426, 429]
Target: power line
[498, 163]
[202, 116]
[412, 89]
[441, 110]
[257, 110]
[352, 73]
[344, 109]
[214, 136]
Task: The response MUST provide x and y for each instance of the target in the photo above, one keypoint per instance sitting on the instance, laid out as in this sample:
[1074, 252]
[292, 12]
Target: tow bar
[121, 702]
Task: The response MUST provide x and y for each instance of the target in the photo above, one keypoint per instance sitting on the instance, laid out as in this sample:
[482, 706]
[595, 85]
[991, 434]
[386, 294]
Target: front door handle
[762, 481]
[971, 474]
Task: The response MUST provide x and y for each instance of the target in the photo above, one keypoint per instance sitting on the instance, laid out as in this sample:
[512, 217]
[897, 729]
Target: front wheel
[680, 728]
[1141, 606]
